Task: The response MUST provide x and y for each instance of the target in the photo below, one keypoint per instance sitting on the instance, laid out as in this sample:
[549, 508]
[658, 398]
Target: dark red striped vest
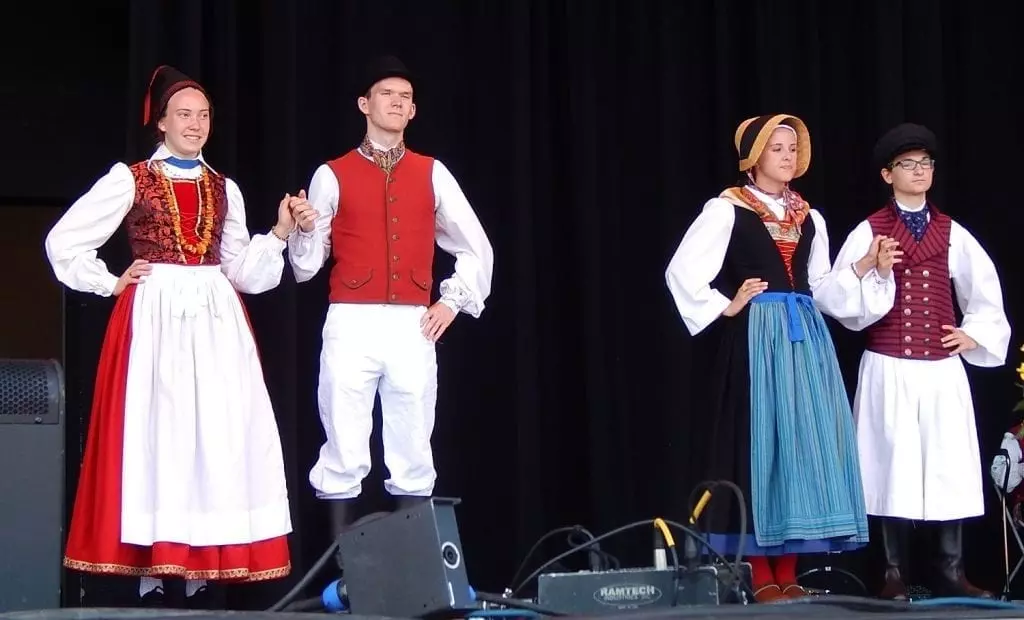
[924, 296]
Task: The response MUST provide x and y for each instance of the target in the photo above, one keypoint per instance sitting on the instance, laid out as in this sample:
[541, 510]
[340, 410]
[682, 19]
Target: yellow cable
[704, 499]
[661, 525]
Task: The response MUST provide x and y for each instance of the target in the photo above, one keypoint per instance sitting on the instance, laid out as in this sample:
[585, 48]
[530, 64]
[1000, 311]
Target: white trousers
[918, 443]
[369, 348]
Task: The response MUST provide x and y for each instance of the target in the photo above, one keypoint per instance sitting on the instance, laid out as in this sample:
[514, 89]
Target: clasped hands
[882, 254]
[295, 211]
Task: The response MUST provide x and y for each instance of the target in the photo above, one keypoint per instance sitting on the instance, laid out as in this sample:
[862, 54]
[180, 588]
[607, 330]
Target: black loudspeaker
[31, 484]
[408, 564]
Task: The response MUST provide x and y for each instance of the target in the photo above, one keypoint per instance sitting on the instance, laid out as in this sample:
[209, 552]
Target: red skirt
[94, 540]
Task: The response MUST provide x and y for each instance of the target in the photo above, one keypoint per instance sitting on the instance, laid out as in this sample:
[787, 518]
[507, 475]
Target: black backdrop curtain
[587, 134]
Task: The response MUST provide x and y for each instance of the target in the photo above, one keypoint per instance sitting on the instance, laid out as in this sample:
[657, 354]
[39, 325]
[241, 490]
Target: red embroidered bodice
[173, 219]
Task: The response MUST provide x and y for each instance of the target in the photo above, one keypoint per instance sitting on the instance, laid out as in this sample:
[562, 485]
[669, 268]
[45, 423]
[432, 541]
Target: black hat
[901, 139]
[382, 68]
[752, 136]
[165, 82]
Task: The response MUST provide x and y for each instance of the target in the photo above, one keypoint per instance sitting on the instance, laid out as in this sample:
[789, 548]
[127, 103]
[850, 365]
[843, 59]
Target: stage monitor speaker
[31, 484]
[407, 564]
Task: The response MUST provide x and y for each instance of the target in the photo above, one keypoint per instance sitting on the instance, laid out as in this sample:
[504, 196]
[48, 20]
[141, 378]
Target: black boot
[408, 501]
[893, 543]
[951, 580]
[341, 518]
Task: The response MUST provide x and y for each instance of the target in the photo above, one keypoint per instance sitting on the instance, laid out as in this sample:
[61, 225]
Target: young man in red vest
[915, 419]
[378, 211]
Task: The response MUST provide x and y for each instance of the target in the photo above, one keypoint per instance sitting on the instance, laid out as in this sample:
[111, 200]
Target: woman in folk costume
[915, 417]
[183, 474]
[782, 429]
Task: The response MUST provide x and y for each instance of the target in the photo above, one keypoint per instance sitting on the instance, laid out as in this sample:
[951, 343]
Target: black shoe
[951, 580]
[154, 599]
[206, 597]
[893, 537]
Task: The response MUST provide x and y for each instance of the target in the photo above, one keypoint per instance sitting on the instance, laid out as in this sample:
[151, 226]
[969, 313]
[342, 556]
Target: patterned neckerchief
[385, 159]
[915, 221]
[795, 206]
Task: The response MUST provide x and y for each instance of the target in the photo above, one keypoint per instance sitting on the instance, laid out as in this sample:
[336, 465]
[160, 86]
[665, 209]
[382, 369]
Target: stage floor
[819, 607]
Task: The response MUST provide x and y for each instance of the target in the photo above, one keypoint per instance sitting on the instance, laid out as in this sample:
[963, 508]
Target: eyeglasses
[910, 164]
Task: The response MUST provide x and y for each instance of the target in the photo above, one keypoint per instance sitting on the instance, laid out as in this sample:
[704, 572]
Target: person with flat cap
[183, 474]
[915, 418]
[378, 211]
[744, 278]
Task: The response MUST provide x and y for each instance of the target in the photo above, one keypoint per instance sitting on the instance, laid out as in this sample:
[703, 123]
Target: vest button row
[909, 339]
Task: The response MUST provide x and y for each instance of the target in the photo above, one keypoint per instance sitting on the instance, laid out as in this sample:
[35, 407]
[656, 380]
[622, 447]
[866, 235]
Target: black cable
[305, 604]
[540, 541]
[306, 579]
[318, 565]
[636, 524]
[515, 590]
[605, 559]
[834, 569]
[736, 580]
[677, 574]
[516, 604]
[709, 485]
[734, 567]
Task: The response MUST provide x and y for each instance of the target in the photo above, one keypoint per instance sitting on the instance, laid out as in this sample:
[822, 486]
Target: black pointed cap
[165, 82]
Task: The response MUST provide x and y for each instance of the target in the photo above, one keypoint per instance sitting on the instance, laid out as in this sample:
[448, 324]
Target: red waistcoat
[924, 297]
[152, 223]
[382, 236]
